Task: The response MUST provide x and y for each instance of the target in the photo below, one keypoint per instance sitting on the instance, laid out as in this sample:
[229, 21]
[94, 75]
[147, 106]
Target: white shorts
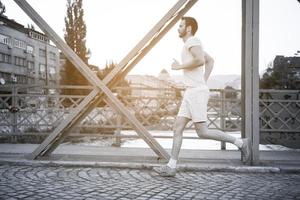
[194, 104]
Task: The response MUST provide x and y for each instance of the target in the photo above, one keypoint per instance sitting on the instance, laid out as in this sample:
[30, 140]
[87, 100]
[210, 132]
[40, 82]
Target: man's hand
[175, 65]
[197, 60]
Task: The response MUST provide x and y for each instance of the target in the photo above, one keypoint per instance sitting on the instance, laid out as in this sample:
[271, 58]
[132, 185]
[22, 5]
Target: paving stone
[26, 182]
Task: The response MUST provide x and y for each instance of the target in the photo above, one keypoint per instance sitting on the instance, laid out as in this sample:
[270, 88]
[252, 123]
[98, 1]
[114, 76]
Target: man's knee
[201, 129]
[179, 124]
[178, 127]
[203, 134]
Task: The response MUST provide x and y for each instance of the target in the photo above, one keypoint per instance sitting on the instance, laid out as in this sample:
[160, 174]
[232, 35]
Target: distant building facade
[161, 86]
[26, 56]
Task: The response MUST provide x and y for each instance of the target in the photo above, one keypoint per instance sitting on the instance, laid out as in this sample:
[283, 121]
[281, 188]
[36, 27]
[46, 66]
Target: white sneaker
[165, 171]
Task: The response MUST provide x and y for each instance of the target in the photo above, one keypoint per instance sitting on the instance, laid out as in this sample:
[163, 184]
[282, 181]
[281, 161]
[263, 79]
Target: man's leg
[170, 168]
[179, 126]
[242, 144]
[202, 132]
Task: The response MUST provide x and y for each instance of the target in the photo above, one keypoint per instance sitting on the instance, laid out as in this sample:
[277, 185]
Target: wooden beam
[152, 43]
[81, 66]
[91, 77]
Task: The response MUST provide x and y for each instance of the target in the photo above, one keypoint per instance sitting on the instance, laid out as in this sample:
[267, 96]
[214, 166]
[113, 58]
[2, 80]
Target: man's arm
[197, 61]
[209, 64]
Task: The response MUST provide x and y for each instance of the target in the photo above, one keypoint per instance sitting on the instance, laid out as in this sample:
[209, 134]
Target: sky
[114, 27]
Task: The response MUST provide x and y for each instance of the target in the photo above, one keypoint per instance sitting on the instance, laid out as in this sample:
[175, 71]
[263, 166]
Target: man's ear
[189, 29]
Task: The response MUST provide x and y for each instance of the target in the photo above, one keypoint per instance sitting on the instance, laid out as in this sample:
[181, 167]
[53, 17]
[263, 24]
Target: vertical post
[250, 76]
[222, 122]
[13, 108]
[118, 131]
[46, 70]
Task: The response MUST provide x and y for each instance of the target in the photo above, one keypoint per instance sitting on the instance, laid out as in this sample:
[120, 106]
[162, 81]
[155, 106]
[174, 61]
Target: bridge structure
[102, 88]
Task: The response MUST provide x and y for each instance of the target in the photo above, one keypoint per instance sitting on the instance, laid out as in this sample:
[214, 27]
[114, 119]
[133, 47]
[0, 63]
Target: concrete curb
[149, 166]
[37, 163]
[244, 169]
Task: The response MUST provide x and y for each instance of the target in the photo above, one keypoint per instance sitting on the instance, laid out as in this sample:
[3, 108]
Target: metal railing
[36, 109]
[280, 117]
[39, 109]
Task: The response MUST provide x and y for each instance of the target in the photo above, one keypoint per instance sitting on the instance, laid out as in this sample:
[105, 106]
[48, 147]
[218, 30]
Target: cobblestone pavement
[27, 182]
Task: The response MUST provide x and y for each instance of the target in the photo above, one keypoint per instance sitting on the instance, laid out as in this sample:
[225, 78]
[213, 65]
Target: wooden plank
[85, 70]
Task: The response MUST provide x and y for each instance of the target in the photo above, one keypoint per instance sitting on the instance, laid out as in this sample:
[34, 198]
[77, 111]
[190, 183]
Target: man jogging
[194, 103]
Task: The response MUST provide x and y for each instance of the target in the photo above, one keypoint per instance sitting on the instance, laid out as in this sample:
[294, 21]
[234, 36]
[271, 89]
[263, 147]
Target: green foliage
[283, 73]
[108, 67]
[75, 37]
[230, 92]
[271, 79]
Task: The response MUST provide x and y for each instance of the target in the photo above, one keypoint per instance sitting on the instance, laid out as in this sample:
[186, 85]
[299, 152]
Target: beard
[182, 34]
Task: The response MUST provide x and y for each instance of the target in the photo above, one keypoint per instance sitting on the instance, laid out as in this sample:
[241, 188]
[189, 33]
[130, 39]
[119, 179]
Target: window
[42, 71]
[5, 58]
[42, 82]
[42, 53]
[52, 56]
[29, 49]
[52, 72]
[5, 39]
[21, 79]
[30, 65]
[20, 61]
[52, 91]
[19, 44]
[14, 78]
[30, 80]
[42, 68]
[38, 37]
[5, 76]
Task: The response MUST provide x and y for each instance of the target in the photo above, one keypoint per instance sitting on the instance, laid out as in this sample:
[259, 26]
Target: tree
[2, 8]
[75, 37]
[230, 92]
[270, 79]
[282, 73]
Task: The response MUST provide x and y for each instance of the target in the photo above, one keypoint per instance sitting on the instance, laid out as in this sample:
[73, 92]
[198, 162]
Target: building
[26, 56]
[151, 86]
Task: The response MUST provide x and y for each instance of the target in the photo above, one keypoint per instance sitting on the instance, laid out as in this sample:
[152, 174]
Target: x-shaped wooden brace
[101, 89]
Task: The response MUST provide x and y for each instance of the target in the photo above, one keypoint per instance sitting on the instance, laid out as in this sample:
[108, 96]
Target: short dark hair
[190, 21]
